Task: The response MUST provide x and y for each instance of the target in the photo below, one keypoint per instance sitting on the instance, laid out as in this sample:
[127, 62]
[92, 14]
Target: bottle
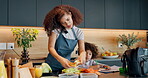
[9, 67]
[3, 73]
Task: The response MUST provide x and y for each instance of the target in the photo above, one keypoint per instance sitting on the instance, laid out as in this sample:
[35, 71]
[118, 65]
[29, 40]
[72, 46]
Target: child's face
[67, 21]
[88, 55]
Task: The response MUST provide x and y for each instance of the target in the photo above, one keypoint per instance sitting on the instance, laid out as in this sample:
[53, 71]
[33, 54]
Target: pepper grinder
[9, 67]
[15, 68]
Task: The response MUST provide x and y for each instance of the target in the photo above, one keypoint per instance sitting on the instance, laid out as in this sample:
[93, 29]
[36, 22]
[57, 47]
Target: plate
[110, 57]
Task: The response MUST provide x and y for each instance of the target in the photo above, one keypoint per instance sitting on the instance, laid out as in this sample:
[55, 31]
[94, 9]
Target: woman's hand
[65, 62]
[82, 57]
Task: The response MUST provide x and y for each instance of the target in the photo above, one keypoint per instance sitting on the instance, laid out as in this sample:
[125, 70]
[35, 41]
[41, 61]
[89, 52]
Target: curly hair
[93, 48]
[52, 19]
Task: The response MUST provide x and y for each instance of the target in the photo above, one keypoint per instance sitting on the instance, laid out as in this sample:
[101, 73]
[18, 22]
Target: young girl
[91, 53]
[60, 25]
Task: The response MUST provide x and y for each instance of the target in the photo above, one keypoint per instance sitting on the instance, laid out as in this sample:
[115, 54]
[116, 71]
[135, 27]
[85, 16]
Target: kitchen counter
[102, 59]
[110, 62]
[109, 75]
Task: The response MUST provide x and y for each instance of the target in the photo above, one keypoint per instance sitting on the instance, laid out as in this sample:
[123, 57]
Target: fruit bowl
[110, 57]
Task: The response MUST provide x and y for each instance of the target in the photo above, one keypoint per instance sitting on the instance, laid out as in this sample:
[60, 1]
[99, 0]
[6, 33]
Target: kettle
[3, 73]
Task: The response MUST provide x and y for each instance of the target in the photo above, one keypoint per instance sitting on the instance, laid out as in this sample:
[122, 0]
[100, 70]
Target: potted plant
[129, 40]
[24, 37]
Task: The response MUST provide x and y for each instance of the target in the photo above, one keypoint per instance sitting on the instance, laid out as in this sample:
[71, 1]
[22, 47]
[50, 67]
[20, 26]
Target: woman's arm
[82, 56]
[52, 51]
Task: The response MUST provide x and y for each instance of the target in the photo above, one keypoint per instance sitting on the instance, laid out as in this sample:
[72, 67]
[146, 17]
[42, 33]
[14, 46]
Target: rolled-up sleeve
[80, 34]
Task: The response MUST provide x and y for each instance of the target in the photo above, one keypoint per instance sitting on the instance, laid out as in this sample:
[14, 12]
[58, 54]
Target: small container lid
[88, 75]
[68, 75]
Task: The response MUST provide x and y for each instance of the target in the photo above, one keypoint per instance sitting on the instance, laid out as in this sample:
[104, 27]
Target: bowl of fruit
[109, 55]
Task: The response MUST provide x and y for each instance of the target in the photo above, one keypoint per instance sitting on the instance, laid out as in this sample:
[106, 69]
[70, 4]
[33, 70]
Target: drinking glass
[38, 71]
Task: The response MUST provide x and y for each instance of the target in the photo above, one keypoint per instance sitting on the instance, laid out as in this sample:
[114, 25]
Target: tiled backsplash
[106, 38]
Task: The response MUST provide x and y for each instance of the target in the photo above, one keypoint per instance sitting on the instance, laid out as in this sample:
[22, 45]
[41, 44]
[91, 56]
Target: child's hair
[52, 19]
[93, 48]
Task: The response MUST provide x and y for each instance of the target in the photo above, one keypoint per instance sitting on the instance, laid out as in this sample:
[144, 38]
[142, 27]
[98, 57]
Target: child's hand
[106, 67]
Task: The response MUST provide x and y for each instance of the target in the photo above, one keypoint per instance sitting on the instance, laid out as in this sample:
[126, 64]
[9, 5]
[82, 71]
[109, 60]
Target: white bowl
[110, 57]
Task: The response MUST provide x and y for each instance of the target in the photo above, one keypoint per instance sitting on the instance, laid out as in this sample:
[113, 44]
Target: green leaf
[129, 40]
[24, 37]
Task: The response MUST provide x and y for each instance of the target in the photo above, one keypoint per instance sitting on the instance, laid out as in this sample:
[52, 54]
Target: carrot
[90, 70]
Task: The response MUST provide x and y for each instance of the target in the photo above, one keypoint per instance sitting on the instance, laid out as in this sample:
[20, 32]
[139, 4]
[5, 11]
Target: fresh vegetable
[46, 68]
[71, 70]
[89, 70]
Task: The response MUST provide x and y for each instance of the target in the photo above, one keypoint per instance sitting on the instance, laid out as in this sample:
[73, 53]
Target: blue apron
[64, 48]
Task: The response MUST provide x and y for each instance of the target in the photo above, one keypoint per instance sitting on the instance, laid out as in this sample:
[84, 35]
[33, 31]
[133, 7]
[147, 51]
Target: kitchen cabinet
[43, 7]
[3, 12]
[144, 14]
[22, 12]
[131, 14]
[94, 14]
[108, 14]
[114, 14]
[79, 4]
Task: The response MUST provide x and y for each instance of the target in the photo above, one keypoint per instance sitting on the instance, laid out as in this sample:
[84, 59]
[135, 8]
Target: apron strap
[74, 34]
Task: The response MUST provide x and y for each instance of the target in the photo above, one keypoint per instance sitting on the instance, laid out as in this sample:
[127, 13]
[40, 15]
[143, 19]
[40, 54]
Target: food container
[68, 75]
[88, 75]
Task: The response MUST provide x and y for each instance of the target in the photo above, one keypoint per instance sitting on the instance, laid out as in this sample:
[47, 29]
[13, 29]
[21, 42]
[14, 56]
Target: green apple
[114, 53]
[104, 54]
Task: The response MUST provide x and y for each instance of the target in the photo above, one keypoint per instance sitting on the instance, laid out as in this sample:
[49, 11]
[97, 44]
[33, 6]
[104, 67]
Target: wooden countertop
[117, 75]
[108, 75]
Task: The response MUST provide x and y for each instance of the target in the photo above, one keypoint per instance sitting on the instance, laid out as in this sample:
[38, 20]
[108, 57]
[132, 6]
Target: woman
[60, 24]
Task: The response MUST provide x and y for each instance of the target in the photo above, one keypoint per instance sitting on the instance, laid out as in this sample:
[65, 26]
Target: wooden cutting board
[25, 73]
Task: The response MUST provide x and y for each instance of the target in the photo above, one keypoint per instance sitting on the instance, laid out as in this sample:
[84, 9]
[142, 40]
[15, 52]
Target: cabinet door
[79, 4]
[144, 14]
[114, 14]
[43, 7]
[131, 14]
[94, 13]
[22, 12]
[3, 12]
